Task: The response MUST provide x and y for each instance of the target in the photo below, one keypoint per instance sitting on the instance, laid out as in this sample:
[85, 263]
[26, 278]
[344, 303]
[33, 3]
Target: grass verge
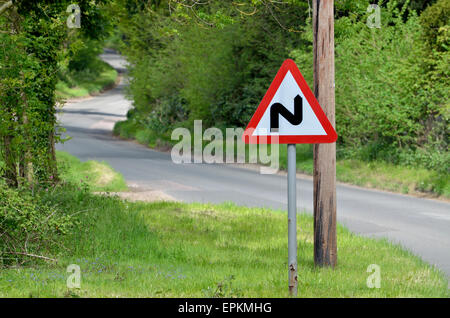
[94, 175]
[199, 250]
[377, 174]
[85, 83]
[168, 249]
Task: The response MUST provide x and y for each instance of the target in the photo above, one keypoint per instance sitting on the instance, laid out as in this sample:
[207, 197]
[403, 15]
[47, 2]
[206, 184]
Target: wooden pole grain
[325, 246]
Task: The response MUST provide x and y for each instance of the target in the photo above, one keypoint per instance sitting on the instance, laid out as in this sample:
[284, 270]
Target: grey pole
[292, 219]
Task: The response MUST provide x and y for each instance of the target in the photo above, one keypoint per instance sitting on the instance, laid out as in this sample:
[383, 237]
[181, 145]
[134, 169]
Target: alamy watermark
[191, 150]
[374, 20]
[374, 279]
[74, 19]
[74, 279]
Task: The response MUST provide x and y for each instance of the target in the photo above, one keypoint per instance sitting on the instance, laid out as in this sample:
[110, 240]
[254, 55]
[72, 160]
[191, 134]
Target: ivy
[34, 40]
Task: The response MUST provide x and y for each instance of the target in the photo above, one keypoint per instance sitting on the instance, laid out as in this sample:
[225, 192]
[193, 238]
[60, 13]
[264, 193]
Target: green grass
[85, 83]
[167, 249]
[377, 174]
[199, 250]
[98, 176]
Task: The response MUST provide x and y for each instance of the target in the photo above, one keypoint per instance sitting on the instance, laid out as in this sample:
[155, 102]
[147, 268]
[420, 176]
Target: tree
[33, 40]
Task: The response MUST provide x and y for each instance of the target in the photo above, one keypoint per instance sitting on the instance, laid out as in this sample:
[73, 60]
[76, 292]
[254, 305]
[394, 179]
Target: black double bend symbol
[294, 118]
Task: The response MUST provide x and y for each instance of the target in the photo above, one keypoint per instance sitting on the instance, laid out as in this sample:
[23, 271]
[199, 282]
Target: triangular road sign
[289, 113]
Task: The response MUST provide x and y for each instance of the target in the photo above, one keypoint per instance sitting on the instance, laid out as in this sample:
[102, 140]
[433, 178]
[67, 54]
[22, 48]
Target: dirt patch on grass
[104, 174]
[146, 196]
[140, 194]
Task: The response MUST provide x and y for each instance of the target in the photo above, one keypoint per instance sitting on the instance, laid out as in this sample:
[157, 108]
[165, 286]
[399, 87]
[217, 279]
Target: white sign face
[288, 90]
[289, 112]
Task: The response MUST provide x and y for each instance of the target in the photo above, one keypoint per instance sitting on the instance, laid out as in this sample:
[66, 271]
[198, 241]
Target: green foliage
[392, 87]
[29, 225]
[33, 42]
[83, 72]
[92, 175]
[27, 97]
[388, 104]
[85, 57]
[433, 19]
[186, 71]
[390, 101]
[33, 222]
[85, 82]
[126, 129]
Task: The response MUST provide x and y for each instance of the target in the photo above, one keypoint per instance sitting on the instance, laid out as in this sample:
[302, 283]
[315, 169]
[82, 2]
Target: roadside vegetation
[32, 220]
[83, 73]
[38, 50]
[97, 176]
[392, 89]
[83, 84]
[169, 249]
[378, 174]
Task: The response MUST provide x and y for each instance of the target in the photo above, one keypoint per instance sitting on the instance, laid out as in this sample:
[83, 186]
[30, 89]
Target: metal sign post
[290, 112]
[292, 218]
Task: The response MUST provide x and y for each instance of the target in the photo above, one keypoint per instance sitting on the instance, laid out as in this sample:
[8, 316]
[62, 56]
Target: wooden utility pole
[325, 249]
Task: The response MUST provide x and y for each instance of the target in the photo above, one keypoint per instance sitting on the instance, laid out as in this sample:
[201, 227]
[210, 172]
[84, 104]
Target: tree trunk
[53, 168]
[10, 162]
[26, 165]
[325, 249]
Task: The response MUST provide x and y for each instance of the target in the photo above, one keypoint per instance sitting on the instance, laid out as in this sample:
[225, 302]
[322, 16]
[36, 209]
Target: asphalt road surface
[420, 225]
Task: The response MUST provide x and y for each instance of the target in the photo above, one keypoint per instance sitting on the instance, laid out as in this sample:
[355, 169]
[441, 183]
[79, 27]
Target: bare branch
[268, 6]
[242, 12]
[5, 6]
[36, 256]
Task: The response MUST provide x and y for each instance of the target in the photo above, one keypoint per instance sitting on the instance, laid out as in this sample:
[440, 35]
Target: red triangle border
[289, 65]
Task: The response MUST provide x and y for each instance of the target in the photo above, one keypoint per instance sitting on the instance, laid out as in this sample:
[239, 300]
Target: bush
[29, 226]
[390, 92]
[82, 64]
[433, 19]
[85, 57]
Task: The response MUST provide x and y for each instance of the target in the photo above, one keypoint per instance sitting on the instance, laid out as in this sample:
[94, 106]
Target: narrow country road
[420, 225]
